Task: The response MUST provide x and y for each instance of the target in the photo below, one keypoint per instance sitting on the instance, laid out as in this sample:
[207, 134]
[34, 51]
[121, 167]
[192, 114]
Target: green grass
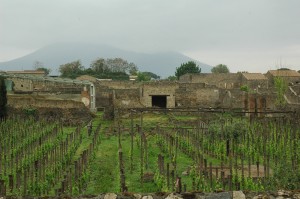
[104, 168]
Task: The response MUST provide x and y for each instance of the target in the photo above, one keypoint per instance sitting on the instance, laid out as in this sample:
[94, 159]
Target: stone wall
[221, 80]
[254, 84]
[160, 88]
[68, 111]
[19, 101]
[127, 98]
[118, 84]
[22, 84]
[197, 95]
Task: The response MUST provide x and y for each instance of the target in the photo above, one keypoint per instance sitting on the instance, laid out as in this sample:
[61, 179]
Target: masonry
[191, 91]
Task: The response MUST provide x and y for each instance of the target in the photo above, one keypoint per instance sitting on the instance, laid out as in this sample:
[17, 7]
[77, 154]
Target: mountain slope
[52, 56]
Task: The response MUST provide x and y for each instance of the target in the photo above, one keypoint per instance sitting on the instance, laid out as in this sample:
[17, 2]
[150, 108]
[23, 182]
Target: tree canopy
[3, 99]
[189, 67]
[46, 70]
[146, 76]
[72, 69]
[283, 69]
[114, 68]
[37, 65]
[221, 68]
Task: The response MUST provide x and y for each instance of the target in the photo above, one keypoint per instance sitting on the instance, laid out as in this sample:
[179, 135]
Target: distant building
[255, 80]
[87, 78]
[220, 80]
[28, 72]
[291, 76]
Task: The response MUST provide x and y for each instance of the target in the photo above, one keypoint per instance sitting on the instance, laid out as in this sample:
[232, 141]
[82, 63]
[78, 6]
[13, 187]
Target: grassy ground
[104, 168]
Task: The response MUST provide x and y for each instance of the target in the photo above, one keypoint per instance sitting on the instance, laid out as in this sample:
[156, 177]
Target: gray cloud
[192, 26]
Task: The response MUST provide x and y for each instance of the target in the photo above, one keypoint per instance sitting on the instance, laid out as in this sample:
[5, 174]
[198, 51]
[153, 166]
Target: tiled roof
[27, 72]
[254, 76]
[284, 73]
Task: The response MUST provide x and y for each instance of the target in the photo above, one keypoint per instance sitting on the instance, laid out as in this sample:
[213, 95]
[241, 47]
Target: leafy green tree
[3, 99]
[150, 75]
[189, 67]
[172, 78]
[141, 76]
[46, 70]
[37, 65]
[221, 68]
[99, 66]
[114, 65]
[72, 69]
[121, 65]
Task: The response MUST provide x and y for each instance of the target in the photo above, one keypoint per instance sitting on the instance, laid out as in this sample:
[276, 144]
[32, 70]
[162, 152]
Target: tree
[46, 70]
[143, 77]
[121, 65]
[72, 69]
[99, 66]
[172, 78]
[221, 68]
[151, 75]
[189, 67]
[3, 99]
[37, 65]
[114, 65]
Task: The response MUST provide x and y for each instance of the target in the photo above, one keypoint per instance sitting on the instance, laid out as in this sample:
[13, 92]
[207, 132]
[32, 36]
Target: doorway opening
[159, 101]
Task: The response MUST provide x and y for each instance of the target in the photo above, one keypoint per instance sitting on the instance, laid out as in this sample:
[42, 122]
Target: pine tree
[3, 99]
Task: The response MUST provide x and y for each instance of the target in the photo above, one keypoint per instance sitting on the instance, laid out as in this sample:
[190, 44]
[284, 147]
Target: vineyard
[143, 151]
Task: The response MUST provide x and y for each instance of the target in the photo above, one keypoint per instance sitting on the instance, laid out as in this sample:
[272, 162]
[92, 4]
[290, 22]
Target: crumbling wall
[68, 111]
[255, 84]
[118, 84]
[41, 101]
[22, 84]
[127, 98]
[196, 95]
[221, 80]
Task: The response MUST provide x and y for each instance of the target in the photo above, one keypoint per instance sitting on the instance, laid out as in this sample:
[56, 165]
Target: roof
[284, 73]
[40, 72]
[86, 77]
[254, 76]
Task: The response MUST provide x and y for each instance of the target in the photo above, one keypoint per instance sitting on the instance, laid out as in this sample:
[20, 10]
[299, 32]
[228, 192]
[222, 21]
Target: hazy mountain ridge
[52, 56]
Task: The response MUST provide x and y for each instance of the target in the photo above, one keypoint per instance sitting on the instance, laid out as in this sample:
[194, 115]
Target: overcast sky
[246, 35]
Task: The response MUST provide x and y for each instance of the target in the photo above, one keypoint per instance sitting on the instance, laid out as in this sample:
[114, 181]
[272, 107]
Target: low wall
[68, 111]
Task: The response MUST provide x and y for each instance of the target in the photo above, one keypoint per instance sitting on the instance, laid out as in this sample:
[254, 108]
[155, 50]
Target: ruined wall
[68, 111]
[22, 84]
[254, 84]
[57, 87]
[288, 79]
[18, 101]
[127, 98]
[158, 88]
[118, 84]
[196, 95]
[221, 80]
